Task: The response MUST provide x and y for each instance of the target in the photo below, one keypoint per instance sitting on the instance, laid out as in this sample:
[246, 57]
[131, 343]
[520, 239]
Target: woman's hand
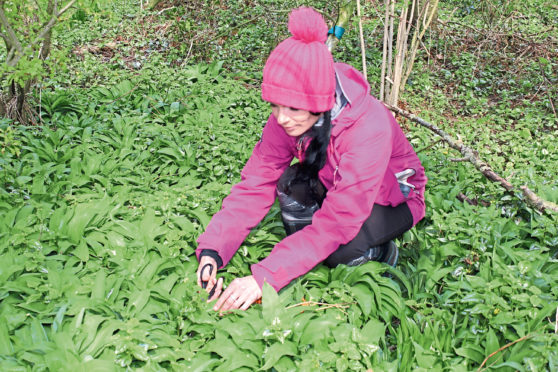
[240, 294]
[210, 276]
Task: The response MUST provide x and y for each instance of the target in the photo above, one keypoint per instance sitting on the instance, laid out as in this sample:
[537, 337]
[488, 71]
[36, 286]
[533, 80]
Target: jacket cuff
[213, 254]
[262, 275]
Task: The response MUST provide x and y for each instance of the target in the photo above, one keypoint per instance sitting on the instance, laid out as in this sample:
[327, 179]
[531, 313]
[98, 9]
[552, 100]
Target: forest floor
[145, 131]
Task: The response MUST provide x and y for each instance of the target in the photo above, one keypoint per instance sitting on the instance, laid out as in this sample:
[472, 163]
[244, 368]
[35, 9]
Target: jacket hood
[356, 89]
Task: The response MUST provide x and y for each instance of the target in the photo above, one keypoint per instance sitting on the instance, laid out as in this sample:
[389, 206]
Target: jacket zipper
[335, 176]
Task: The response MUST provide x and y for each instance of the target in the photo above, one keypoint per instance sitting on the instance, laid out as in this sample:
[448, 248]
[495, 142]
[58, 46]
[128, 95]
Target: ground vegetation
[145, 131]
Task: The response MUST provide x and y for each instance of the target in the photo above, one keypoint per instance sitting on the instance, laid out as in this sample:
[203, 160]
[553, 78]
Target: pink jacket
[366, 149]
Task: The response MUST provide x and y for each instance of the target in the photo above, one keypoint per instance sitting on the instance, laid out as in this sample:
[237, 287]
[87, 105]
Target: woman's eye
[293, 109]
[273, 105]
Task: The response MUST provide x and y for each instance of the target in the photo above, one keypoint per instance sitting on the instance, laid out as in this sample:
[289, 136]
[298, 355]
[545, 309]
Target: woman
[358, 184]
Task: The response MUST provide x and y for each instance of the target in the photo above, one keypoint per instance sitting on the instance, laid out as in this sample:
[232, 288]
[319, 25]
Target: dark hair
[315, 155]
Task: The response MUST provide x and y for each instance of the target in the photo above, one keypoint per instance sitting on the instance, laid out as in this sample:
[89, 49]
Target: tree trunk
[345, 13]
[45, 48]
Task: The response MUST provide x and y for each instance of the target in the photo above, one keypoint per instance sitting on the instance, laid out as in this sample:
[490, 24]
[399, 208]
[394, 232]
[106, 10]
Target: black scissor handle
[204, 282]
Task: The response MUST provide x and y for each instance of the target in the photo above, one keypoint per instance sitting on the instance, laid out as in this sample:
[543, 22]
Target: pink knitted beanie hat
[299, 71]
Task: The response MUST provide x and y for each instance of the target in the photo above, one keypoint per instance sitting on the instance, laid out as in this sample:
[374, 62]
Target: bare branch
[458, 160]
[537, 202]
[45, 47]
[362, 48]
[384, 51]
[472, 156]
[417, 37]
[50, 24]
[163, 10]
[65, 9]
[12, 37]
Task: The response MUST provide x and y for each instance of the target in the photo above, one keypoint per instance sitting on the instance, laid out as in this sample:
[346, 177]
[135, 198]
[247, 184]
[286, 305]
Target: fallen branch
[472, 156]
[458, 160]
[534, 200]
[503, 348]
[463, 198]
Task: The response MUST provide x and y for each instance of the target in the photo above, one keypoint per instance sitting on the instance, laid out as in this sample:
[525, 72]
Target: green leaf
[22, 180]
[276, 351]
[137, 301]
[83, 214]
[6, 347]
[472, 352]
[364, 298]
[82, 251]
[317, 329]
[57, 323]
[492, 343]
[174, 107]
[373, 331]
[270, 303]
[98, 290]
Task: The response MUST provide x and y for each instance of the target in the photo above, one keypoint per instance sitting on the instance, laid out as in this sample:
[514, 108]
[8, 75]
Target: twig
[543, 72]
[362, 50]
[458, 160]
[124, 95]
[316, 303]
[324, 305]
[551, 104]
[10, 32]
[472, 156]
[164, 10]
[429, 146]
[387, 92]
[463, 198]
[231, 29]
[503, 348]
[48, 26]
[556, 325]
[189, 50]
[384, 51]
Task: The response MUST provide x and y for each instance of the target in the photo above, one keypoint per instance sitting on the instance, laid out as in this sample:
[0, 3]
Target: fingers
[229, 299]
[218, 289]
[207, 274]
[225, 298]
[249, 303]
[240, 294]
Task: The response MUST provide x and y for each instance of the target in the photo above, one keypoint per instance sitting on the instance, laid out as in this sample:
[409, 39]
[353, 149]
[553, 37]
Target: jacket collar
[341, 99]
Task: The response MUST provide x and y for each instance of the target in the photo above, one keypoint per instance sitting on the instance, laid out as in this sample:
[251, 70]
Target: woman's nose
[281, 117]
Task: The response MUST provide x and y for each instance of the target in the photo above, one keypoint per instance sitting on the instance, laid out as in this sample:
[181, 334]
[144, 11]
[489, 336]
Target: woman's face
[295, 122]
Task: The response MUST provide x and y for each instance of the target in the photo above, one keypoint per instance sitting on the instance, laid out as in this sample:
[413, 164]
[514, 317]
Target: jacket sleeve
[363, 162]
[251, 198]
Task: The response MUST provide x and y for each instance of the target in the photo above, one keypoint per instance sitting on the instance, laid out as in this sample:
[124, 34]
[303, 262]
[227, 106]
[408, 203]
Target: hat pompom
[307, 25]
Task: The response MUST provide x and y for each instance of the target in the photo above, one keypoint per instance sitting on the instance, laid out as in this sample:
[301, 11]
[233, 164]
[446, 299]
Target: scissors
[204, 282]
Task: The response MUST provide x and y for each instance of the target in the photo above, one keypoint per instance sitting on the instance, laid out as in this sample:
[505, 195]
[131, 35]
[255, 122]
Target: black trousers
[300, 200]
